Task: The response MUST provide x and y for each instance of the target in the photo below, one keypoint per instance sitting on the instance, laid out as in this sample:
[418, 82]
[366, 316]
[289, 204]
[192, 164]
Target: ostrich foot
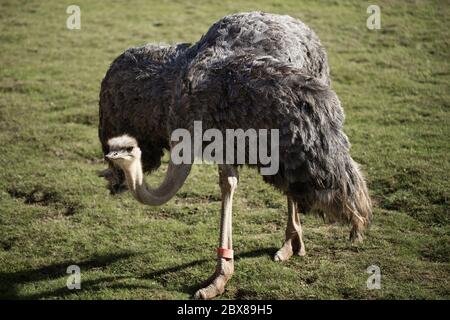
[288, 249]
[356, 236]
[215, 285]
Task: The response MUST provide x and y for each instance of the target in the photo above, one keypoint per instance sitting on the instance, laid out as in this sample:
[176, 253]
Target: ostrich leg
[294, 242]
[215, 285]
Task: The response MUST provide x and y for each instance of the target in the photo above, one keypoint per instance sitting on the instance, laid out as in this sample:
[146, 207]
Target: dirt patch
[243, 294]
[7, 244]
[70, 210]
[195, 197]
[311, 279]
[35, 196]
[41, 197]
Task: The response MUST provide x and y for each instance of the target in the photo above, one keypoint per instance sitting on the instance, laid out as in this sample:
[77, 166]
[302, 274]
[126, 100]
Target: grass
[54, 211]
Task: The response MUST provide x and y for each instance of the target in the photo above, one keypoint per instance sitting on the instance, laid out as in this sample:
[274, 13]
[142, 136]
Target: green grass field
[55, 211]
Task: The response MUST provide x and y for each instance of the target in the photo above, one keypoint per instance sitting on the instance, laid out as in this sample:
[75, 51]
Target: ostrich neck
[135, 180]
[173, 181]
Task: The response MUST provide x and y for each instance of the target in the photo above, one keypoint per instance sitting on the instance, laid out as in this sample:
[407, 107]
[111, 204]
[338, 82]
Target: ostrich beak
[112, 155]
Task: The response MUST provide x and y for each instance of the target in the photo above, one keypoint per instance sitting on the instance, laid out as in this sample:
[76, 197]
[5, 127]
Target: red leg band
[225, 253]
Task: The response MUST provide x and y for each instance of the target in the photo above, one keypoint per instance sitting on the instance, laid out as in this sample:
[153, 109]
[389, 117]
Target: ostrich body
[249, 71]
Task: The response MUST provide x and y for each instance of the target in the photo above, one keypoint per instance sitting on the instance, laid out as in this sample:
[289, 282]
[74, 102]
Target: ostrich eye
[129, 149]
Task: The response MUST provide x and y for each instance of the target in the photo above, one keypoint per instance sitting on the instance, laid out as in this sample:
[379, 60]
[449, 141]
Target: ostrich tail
[358, 206]
[359, 203]
[350, 202]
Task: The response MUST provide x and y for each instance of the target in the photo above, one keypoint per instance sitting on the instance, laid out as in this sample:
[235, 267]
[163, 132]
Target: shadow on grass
[160, 276]
[9, 281]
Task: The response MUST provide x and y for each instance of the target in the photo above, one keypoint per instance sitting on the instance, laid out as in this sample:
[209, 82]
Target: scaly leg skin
[293, 243]
[215, 285]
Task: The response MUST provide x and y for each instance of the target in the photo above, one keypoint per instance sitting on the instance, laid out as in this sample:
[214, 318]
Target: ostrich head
[123, 151]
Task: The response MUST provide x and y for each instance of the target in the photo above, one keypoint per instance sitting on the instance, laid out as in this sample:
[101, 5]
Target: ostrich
[250, 70]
